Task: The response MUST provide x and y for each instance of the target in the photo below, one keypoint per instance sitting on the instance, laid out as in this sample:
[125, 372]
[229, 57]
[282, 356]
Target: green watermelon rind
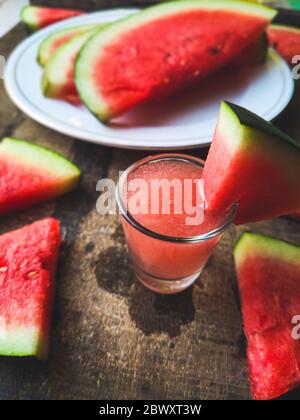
[40, 157]
[43, 51]
[284, 28]
[55, 74]
[265, 246]
[92, 50]
[28, 16]
[243, 117]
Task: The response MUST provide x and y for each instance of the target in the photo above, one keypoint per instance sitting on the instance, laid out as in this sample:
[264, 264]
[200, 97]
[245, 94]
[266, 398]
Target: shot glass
[165, 263]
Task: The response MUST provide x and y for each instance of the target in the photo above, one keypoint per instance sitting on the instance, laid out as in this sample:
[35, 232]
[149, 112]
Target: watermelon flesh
[30, 174]
[162, 49]
[253, 164]
[286, 40]
[58, 79]
[268, 273]
[27, 268]
[39, 17]
[54, 41]
[254, 54]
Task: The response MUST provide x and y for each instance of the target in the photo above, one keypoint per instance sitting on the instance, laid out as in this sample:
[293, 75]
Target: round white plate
[182, 121]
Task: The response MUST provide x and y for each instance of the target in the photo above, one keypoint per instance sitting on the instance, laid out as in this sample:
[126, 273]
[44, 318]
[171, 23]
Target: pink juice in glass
[168, 232]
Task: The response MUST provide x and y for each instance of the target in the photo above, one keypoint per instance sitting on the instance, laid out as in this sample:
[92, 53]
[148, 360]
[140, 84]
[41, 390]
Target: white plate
[185, 120]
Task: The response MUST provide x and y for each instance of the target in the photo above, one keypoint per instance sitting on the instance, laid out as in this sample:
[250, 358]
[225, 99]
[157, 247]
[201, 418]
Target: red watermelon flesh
[253, 164]
[159, 51]
[28, 262]
[286, 40]
[268, 273]
[30, 174]
[252, 55]
[39, 17]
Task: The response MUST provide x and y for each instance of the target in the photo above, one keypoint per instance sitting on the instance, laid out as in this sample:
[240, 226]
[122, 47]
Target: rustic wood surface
[111, 338]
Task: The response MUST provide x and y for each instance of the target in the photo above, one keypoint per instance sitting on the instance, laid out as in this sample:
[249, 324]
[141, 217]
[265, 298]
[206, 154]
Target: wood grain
[112, 338]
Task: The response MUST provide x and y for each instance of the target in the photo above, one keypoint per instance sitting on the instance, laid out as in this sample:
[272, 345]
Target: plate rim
[104, 139]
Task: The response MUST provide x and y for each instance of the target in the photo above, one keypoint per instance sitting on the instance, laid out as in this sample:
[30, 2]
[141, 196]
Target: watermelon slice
[56, 40]
[153, 53]
[27, 268]
[286, 40]
[253, 164]
[268, 273]
[30, 174]
[38, 17]
[58, 79]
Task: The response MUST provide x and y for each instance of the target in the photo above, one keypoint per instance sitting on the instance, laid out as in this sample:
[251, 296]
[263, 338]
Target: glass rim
[229, 214]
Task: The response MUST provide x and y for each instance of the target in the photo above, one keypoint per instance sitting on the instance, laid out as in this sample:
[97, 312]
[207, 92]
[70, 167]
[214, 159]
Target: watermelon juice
[168, 232]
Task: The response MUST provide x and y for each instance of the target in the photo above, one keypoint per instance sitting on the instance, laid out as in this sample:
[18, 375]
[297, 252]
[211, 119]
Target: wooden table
[112, 338]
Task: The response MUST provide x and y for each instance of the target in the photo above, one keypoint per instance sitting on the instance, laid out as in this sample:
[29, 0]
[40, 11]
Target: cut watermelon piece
[268, 273]
[28, 260]
[286, 40]
[154, 53]
[38, 17]
[58, 79]
[30, 174]
[253, 164]
[56, 40]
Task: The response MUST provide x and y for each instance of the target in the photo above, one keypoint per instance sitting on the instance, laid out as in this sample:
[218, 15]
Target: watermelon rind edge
[58, 61]
[97, 104]
[251, 242]
[29, 18]
[287, 28]
[249, 119]
[14, 144]
[46, 41]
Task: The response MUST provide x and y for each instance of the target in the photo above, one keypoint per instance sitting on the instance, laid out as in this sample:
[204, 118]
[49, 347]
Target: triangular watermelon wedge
[286, 40]
[30, 174]
[253, 164]
[160, 50]
[28, 259]
[268, 273]
[35, 17]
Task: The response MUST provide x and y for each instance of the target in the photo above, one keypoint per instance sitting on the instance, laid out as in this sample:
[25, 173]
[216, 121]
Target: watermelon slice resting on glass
[253, 164]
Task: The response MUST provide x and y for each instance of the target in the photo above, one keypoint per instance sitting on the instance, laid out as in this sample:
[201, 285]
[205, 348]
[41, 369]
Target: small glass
[167, 264]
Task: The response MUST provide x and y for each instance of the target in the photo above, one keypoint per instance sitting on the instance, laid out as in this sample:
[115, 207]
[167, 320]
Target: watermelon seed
[3, 269]
[32, 274]
[215, 50]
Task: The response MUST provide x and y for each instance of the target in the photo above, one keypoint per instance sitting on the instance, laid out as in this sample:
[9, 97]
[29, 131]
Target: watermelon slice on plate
[251, 163]
[162, 49]
[28, 260]
[39, 17]
[58, 79]
[286, 40]
[30, 174]
[56, 40]
[268, 273]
